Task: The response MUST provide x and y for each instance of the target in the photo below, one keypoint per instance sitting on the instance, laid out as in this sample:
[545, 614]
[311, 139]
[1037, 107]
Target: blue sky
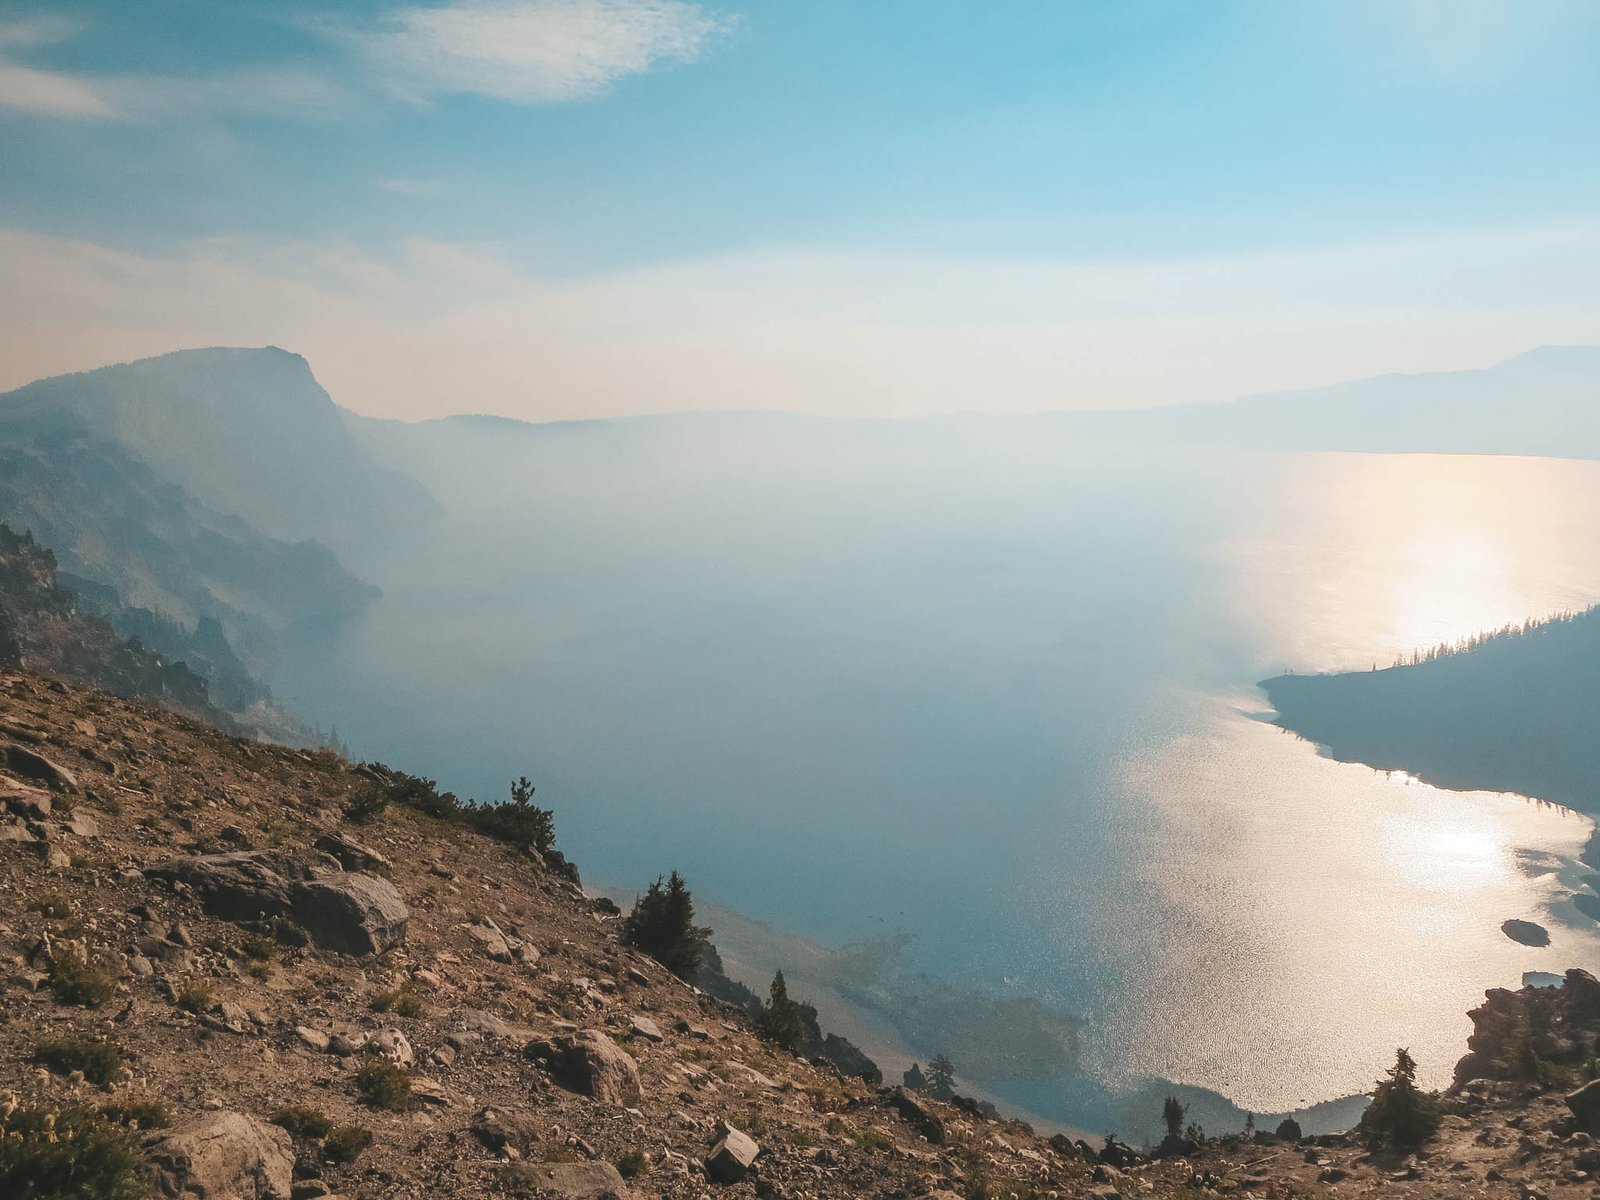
[847, 207]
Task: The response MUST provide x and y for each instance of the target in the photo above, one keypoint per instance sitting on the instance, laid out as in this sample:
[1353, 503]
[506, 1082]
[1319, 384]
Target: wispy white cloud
[51, 94]
[44, 93]
[434, 328]
[37, 31]
[523, 51]
[528, 51]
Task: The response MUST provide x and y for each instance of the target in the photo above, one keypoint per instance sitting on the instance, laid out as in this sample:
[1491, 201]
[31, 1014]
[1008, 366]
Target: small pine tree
[1401, 1115]
[1249, 1124]
[941, 1078]
[1172, 1113]
[915, 1079]
[780, 1019]
[662, 925]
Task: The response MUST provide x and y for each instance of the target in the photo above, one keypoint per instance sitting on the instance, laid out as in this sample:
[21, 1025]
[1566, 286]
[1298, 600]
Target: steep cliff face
[245, 432]
[203, 488]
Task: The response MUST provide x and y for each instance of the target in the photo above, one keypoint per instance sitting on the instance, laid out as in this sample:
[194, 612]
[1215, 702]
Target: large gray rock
[498, 1129]
[348, 911]
[224, 1156]
[570, 1181]
[351, 913]
[591, 1064]
[732, 1157]
[241, 886]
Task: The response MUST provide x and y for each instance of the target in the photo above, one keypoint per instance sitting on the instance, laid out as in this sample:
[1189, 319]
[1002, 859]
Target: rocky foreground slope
[214, 983]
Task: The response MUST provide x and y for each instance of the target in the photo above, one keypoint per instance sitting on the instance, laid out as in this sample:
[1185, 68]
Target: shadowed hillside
[1514, 711]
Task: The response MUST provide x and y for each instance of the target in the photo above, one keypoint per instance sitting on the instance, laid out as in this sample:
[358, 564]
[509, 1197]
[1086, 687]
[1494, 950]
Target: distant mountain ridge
[197, 501]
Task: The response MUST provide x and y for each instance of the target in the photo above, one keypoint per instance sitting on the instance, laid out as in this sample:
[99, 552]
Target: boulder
[591, 1064]
[394, 1046]
[241, 886]
[1289, 1130]
[501, 1130]
[568, 1181]
[1585, 1104]
[1580, 996]
[29, 764]
[224, 1156]
[916, 1111]
[732, 1157]
[348, 912]
[492, 941]
[475, 1020]
[646, 1028]
[352, 913]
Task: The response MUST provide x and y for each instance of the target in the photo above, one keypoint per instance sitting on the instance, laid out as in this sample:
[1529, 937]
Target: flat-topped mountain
[246, 432]
[200, 494]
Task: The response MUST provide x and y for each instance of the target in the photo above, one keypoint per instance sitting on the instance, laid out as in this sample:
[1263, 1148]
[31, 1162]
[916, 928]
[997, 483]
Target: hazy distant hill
[248, 432]
[197, 495]
[1544, 402]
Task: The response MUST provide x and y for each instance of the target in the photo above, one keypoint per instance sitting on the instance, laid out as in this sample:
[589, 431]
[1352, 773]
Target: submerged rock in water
[1528, 933]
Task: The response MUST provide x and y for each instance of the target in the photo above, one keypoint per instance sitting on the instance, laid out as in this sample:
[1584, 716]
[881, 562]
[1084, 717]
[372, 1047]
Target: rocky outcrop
[242, 886]
[349, 912]
[224, 1156]
[31, 765]
[920, 1114]
[591, 1064]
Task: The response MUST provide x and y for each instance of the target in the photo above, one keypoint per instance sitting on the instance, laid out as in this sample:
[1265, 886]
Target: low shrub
[518, 821]
[384, 1085]
[76, 982]
[345, 1143]
[194, 997]
[137, 1114]
[70, 1153]
[302, 1122]
[100, 1062]
[403, 1001]
[259, 949]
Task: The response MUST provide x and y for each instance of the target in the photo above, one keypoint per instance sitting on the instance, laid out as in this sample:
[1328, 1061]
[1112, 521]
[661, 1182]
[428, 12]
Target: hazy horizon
[576, 208]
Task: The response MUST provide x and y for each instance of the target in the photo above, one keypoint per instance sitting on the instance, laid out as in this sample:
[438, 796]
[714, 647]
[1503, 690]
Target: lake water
[971, 683]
